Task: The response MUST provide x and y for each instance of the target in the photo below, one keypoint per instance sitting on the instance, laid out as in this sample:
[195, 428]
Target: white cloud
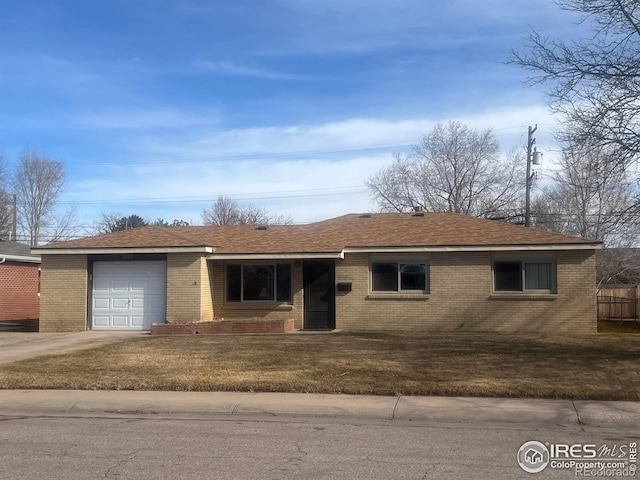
[264, 166]
[234, 69]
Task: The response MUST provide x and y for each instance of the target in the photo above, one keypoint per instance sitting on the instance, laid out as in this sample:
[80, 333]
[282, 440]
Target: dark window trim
[523, 289]
[401, 261]
[275, 283]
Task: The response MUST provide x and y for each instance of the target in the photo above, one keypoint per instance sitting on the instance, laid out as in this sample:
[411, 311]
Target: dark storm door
[318, 278]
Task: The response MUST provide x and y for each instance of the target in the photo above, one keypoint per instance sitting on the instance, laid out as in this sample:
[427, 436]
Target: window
[265, 283]
[399, 277]
[519, 276]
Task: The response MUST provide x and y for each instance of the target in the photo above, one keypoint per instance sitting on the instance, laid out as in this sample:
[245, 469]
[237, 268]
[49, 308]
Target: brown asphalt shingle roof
[333, 235]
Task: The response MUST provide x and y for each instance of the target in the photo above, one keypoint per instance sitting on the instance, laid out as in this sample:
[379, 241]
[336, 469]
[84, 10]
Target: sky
[156, 107]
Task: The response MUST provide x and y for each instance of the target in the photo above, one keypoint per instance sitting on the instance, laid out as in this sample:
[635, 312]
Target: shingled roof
[353, 231]
[15, 251]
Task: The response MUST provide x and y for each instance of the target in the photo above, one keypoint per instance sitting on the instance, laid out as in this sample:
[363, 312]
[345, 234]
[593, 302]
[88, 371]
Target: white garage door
[128, 295]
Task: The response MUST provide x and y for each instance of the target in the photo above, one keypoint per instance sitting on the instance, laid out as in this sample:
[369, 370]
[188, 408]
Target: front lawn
[604, 366]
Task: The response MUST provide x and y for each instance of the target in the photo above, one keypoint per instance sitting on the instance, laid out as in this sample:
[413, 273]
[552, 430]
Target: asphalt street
[169, 435]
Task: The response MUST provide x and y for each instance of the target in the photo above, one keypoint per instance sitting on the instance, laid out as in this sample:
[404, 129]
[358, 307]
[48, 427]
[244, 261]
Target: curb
[417, 410]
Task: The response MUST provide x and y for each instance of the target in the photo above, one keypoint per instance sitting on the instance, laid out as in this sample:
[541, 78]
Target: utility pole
[527, 208]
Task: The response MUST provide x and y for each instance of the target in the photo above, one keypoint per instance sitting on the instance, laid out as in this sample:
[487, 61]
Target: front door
[318, 278]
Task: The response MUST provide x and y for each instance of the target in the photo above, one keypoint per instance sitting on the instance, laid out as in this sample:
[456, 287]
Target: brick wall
[461, 297]
[188, 288]
[258, 310]
[63, 293]
[226, 327]
[19, 291]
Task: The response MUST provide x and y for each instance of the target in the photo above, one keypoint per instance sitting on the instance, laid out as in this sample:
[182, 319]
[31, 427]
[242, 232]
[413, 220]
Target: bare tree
[455, 169]
[618, 266]
[6, 200]
[63, 226]
[594, 83]
[38, 184]
[592, 196]
[116, 221]
[223, 212]
[226, 211]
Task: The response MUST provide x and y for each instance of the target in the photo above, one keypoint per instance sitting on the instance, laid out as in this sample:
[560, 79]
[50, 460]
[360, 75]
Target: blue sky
[157, 107]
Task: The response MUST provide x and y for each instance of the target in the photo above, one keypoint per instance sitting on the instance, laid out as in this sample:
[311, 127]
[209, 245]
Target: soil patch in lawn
[604, 366]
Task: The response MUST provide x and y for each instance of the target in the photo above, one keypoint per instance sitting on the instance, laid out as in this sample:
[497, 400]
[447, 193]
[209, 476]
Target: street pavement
[62, 435]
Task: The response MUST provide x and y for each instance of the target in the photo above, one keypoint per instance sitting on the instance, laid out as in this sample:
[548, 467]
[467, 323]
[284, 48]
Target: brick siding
[258, 310]
[461, 297]
[230, 327]
[63, 293]
[188, 288]
[19, 291]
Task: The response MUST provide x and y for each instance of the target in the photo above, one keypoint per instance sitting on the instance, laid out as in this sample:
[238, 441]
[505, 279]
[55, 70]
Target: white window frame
[401, 261]
[524, 261]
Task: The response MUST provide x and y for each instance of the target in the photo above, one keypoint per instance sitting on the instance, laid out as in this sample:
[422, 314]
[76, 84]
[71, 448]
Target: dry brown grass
[613, 326]
[468, 364]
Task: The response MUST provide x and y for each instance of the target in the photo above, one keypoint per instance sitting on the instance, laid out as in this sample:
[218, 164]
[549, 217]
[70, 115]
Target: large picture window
[400, 277]
[523, 276]
[259, 283]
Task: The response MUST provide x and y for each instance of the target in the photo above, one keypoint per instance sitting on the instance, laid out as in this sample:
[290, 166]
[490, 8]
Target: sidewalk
[418, 410]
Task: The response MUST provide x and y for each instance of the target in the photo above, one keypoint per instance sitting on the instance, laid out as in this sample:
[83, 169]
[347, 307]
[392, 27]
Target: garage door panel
[101, 285]
[128, 295]
[120, 320]
[120, 284]
[99, 303]
[100, 321]
[137, 303]
[142, 284]
[120, 303]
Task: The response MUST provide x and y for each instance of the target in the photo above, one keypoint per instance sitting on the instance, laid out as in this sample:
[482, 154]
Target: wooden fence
[618, 302]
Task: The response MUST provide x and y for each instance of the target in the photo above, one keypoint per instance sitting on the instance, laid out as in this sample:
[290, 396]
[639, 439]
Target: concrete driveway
[16, 346]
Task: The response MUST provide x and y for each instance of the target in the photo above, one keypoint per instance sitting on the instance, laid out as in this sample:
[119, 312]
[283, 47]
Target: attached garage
[128, 295]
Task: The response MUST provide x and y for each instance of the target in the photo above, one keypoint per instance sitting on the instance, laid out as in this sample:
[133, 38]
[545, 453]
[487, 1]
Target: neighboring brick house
[19, 279]
[391, 271]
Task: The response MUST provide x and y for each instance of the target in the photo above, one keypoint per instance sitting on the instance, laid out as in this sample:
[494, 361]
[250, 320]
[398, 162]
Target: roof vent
[365, 215]
[262, 227]
[418, 211]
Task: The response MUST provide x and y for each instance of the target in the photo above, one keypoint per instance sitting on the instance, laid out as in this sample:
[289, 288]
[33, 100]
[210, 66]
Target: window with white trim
[259, 283]
[524, 276]
[408, 277]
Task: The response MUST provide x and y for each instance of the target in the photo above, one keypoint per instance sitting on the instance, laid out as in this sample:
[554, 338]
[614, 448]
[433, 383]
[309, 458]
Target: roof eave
[19, 258]
[278, 256]
[120, 250]
[477, 248]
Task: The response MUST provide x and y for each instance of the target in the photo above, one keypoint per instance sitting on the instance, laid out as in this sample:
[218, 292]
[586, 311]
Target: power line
[263, 156]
